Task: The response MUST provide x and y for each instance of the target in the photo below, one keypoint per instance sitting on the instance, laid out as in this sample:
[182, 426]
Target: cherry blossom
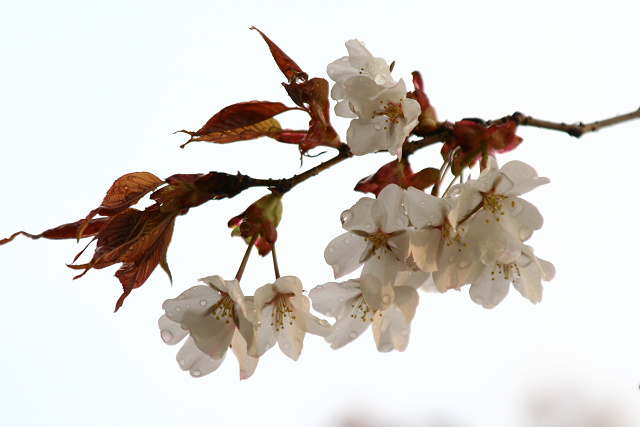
[215, 317]
[285, 317]
[346, 303]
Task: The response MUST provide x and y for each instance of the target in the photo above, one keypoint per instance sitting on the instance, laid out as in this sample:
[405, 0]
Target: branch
[576, 130]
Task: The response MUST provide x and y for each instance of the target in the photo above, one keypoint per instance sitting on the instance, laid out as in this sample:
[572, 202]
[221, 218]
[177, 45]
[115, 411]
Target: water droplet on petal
[452, 259]
[182, 362]
[287, 345]
[196, 373]
[344, 59]
[178, 309]
[353, 334]
[341, 299]
[385, 348]
[464, 263]
[429, 224]
[347, 241]
[330, 70]
[377, 126]
[525, 233]
[404, 332]
[386, 299]
[169, 314]
[346, 216]
[331, 250]
[367, 226]
[327, 313]
[374, 326]
[380, 79]
[203, 303]
[319, 286]
[166, 336]
[337, 328]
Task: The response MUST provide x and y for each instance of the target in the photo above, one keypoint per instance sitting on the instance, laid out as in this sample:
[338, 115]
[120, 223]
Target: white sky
[90, 91]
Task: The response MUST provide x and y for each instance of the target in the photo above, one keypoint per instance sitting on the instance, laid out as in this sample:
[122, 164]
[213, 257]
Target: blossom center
[493, 203]
[508, 272]
[225, 308]
[361, 310]
[392, 110]
[378, 240]
[282, 311]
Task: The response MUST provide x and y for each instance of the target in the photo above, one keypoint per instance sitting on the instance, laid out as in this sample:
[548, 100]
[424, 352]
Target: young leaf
[242, 121]
[289, 68]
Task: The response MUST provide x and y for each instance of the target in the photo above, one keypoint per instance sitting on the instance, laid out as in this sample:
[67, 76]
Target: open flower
[346, 303]
[383, 115]
[285, 317]
[215, 317]
[385, 119]
[360, 62]
[490, 283]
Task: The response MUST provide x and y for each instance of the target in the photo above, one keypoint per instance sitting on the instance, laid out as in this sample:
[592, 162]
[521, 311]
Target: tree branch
[576, 129]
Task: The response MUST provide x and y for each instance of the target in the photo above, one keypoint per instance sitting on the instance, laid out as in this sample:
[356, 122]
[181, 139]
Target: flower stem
[275, 261]
[245, 259]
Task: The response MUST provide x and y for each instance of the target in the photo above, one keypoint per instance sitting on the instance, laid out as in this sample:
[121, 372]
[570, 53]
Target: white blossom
[285, 317]
[215, 317]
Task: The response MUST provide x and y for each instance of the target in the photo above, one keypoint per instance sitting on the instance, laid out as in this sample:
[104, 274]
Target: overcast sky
[91, 90]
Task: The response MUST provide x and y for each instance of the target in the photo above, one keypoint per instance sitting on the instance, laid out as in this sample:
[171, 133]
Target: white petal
[197, 299]
[388, 212]
[334, 299]
[424, 210]
[391, 331]
[516, 178]
[247, 363]
[425, 247]
[265, 332]
[489, 293]
[344, 252]
[351, 325]
[171, 332]
[406, 300]
[191, 359]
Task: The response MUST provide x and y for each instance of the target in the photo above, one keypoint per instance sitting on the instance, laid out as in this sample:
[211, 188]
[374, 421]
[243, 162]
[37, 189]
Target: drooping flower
[215, 317]
[285, 317]
[391, 323]
[490, 283]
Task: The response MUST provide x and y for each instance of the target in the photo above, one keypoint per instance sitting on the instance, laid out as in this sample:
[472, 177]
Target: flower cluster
[406, 239]
[217, 316]
[383, 116]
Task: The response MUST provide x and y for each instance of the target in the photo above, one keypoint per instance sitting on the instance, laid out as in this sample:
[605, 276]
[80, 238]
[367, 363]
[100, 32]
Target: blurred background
[92, 90]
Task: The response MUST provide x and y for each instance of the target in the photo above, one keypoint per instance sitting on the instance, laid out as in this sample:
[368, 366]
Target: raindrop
[385, 348]
[367, 226]
[170, 314]
[331, 250]
[429, 224]
[380, 79]
[404, 332]
[330, 70]
[182, 362]
[319, 286]
[464, 263]
[341, 299]
[432, 216]
[384, 325]
[377, 126]
[353, 335]
[327, 313]
[452, 259]
[479, 300]
[196, 373]
[203, 303]
[344, 59]
[337, 328]
[347, 241]
[525, 233]
[287, 345]
[166, 336]
[386, 299]
[178, 309]
[423, 202]
[346, 216]
[374, 326]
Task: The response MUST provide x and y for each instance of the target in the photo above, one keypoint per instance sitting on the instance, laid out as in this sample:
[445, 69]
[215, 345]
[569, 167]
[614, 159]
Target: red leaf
[125, 191]
[64, 231]
[242, 121]
[289, 68]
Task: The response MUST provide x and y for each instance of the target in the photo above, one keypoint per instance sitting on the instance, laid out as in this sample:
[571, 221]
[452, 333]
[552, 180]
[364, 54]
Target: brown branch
[576, 129]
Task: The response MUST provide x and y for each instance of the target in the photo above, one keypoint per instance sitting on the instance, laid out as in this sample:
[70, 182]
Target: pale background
[92, 90]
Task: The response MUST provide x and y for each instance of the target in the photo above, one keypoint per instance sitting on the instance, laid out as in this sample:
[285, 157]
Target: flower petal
[191, 359]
